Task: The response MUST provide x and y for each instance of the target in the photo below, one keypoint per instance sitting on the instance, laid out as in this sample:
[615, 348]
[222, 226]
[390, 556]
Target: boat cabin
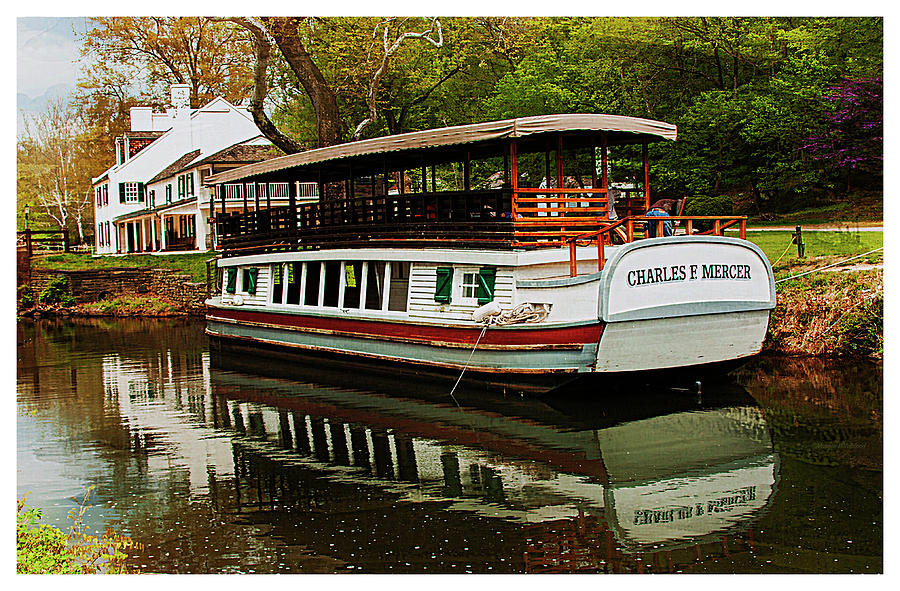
[532, 182]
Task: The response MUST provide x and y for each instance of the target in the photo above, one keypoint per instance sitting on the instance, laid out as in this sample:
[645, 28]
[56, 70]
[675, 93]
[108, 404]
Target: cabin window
[248, 281]
[311, 293]
[443, 285]
[477, 285]
[230, 280]
[277, 283]
[399, 286]
[375, 285]
[352, 283]
[294, 281]
[332, 287]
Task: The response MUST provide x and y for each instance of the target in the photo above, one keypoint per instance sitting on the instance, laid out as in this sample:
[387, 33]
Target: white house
[153, 198]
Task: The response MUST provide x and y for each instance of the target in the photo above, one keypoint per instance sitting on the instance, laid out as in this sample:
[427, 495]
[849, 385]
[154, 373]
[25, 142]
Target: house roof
[176, 166]
[242, 153]
[144, 135]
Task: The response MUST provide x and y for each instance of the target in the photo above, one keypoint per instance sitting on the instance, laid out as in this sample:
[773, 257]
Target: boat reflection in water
[652, 480]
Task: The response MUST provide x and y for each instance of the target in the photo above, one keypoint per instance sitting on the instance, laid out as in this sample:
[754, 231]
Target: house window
[131, 192]
[105, 194]
[185, 185]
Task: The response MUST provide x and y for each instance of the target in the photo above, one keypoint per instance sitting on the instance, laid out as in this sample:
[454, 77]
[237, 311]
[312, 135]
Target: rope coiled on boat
[523, 313]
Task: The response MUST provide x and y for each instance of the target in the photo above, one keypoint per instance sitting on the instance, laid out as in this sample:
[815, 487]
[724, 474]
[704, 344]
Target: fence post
[65, 236]
[798, 240]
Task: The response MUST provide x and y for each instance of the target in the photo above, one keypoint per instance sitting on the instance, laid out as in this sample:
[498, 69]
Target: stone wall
[96, 284]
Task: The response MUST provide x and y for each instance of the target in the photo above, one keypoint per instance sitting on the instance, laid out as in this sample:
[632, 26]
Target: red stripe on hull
[584, 334]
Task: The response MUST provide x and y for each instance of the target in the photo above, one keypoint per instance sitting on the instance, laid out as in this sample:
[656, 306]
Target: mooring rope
[466, 366]
[790, 244]
[829, 266]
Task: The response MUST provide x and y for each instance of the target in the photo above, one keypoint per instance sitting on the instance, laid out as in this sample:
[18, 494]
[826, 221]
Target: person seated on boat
[661, 208]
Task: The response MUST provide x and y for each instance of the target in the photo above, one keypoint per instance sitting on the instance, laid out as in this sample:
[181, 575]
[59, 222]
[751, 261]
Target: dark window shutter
[140, 192]
[443, 285]
[121, 192]
[230, 280]
[250, 278]
[485, 291]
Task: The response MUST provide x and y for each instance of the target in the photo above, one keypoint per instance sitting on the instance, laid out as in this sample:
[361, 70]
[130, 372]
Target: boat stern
[684, 301]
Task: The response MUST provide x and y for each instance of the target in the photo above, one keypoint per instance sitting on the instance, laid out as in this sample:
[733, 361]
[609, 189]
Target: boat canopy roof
[619, 129]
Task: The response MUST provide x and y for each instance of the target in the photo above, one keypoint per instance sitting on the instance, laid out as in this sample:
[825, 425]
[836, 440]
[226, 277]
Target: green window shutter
[140, 192]
[444, 284]
[230, 280]
[485, 291]
[121, 192]
[252, 273]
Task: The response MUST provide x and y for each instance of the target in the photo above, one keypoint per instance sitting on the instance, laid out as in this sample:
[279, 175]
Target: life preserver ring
[237, 300]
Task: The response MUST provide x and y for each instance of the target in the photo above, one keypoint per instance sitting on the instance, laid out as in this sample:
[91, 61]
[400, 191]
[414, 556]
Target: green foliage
[40, 549]
[44, 549]
[26, 297]
[862, 329]
[57, 292]
[720, 205]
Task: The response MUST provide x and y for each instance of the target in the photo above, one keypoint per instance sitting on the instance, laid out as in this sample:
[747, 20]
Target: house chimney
[181, 97]
[141, 119]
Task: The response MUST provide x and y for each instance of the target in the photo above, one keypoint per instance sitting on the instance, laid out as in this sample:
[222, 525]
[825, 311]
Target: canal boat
[497, 248]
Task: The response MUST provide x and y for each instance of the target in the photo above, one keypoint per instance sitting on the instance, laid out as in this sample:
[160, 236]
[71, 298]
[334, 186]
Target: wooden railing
[625, 229]
[470, 218]
[50, 239]
[556, 214]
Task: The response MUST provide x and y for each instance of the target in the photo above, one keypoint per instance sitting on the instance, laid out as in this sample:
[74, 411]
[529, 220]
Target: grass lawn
[193, 264]
[821, 248]
[831, 245]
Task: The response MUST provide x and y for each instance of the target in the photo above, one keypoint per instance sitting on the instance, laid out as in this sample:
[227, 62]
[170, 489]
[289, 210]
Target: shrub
[862, 329]
[57, 292]
[40, 548]
[26, 297]
[44, 549]
[708, 205]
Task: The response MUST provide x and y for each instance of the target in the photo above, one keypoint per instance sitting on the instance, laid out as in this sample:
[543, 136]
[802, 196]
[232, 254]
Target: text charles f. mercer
[674, 273]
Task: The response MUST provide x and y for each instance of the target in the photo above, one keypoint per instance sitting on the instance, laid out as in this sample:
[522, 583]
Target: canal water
[223, 463]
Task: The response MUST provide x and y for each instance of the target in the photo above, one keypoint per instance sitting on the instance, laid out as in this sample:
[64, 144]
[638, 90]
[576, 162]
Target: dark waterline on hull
[231, 464]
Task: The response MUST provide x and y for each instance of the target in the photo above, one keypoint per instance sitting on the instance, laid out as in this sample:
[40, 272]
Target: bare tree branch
[390, 50]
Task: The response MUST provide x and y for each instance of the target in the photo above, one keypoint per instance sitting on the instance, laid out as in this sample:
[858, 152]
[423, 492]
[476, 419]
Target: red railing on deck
[604, 235]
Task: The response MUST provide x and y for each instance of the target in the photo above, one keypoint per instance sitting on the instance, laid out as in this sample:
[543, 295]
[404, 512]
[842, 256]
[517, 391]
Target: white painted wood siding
[422, 280]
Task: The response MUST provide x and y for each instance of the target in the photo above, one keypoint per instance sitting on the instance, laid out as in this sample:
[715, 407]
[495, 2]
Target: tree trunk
[284, 31]
[263, 48]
